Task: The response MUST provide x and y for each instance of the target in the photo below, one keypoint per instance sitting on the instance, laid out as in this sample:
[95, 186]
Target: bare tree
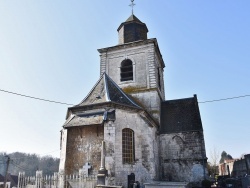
[214, 160]
[242, 156]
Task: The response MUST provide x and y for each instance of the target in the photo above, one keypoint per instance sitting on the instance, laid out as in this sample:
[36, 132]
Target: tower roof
[133, 18]
[132, 30]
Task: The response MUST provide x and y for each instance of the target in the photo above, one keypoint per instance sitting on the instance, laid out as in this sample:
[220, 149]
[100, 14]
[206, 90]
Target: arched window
[126, 70]
[128, 150]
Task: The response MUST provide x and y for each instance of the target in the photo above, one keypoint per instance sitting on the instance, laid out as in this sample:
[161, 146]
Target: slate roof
[95, 117]
[132, 19]
[106, 90]
[180, 115]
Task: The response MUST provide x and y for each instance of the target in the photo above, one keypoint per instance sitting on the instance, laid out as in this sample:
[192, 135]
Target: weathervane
[132, 6]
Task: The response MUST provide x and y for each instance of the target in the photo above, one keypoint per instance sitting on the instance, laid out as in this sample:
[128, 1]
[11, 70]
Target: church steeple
[132, 30]
[136, 65]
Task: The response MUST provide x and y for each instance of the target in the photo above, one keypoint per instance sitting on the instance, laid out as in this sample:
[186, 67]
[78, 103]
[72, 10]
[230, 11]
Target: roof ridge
[109, 92]
[122, 92]
[106, 87]
[133, 18]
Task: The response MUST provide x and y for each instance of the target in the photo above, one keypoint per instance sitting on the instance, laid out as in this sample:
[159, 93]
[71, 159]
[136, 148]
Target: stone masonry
[162, 139]
[146, 159]
[181, 152]
[147, 64]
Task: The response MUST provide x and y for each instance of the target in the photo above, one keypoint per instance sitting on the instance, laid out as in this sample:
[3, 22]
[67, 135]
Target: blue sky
[48, 49]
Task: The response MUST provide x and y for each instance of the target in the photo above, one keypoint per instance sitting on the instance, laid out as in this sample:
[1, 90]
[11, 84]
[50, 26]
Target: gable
[106, 90]
[96, 95]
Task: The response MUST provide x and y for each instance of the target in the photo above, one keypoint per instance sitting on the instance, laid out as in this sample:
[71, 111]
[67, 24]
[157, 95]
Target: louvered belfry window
[126, 70]
[128, 146]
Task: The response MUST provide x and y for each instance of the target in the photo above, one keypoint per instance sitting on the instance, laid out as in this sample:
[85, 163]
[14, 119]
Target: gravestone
[85, 169]
[131, 180]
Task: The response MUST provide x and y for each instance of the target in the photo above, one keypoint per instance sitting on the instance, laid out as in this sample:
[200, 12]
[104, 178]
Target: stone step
[159, 184]
[107, 186]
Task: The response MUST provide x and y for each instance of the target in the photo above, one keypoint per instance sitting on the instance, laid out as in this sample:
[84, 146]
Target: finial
[132, 6]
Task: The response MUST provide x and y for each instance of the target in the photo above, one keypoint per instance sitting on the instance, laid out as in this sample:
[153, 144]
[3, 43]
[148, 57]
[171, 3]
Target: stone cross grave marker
[86, 168]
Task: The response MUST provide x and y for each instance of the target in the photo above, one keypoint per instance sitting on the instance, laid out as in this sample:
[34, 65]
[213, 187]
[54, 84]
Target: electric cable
[64, 103]
[224, 99]
[20, 167]
[41, 99]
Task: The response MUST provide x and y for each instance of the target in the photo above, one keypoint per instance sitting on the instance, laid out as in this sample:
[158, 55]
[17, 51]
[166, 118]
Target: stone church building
[144, 134]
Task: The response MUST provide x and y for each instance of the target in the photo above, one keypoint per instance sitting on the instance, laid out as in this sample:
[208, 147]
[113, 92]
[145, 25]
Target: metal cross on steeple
[132, 6]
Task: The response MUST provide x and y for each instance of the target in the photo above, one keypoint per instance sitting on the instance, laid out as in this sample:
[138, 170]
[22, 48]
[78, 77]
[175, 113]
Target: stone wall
[83, 145]
[145, 60]
[239, 168]
[247, 159]
[160, 70]
[146, 163]
[149, 99]
[182, 156]
[121, 35]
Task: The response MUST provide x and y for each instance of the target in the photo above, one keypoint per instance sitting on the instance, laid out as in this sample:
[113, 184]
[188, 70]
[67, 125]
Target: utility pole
[6, 174]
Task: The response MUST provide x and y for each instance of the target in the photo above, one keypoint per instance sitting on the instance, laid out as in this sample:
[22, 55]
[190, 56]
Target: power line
[41, 99]
[230, 98]
[46, 100]
[20, 167]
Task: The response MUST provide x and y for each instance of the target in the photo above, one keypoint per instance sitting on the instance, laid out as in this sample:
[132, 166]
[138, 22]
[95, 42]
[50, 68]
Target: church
[145, 135]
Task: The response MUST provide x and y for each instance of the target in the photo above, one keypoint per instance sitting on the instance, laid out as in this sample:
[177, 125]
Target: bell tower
[136, 65]
[132, 30]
